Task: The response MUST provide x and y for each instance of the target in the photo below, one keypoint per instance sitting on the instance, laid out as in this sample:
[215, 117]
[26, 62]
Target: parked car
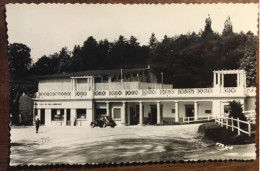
[103, 121]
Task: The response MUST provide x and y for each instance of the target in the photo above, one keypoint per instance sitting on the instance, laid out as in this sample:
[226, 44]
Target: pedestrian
[37, 124]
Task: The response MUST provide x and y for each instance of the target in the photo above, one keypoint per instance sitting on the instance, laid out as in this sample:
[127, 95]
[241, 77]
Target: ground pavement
[80, 145]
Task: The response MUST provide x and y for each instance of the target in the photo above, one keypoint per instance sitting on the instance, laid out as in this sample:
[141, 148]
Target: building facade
[134, 97]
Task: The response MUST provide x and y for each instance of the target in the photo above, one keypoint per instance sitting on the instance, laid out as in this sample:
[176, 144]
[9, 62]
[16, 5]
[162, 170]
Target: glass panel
[117, 113]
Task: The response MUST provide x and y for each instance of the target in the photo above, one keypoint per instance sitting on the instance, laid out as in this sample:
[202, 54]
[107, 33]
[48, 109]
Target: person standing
[37, 124]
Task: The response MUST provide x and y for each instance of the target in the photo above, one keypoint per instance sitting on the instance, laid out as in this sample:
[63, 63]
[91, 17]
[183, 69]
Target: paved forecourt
[71, 145]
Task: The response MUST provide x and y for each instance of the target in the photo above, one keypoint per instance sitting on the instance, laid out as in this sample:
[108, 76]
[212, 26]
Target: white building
[133, 97]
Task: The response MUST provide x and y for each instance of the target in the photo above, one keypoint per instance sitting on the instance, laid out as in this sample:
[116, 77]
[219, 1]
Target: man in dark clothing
[37, 124]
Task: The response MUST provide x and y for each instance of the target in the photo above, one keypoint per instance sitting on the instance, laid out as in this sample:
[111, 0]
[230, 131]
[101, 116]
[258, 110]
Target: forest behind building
[187, 60]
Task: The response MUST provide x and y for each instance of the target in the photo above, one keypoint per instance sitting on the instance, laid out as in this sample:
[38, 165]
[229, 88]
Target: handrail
[204, 118]
[224, 121]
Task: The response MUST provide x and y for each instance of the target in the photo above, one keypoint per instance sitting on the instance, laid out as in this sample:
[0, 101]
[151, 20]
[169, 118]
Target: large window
[81, 113]
[117, 113]
[57, 114]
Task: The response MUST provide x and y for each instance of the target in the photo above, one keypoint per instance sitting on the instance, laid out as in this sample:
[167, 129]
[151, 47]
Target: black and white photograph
[114, 83]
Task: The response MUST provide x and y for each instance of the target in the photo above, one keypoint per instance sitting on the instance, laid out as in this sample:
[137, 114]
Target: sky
[46, 28]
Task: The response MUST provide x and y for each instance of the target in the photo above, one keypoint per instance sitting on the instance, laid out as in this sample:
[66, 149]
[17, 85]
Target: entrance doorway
[134, 115]
[189, 111]
[68, 117]
[153, 115]
[42, 119]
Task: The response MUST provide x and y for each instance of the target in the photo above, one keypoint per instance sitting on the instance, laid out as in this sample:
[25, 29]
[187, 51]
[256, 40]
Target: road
[80, 145]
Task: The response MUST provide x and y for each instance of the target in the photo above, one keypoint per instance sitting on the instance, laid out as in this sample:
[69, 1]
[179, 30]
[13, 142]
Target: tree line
[187, 60]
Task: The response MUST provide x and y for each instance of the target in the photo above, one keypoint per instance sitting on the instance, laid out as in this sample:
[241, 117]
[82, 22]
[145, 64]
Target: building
[133, 97]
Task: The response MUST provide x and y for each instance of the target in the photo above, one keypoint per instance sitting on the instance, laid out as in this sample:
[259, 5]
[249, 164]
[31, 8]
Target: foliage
[19, 59]
[187, 60]
[236, 111]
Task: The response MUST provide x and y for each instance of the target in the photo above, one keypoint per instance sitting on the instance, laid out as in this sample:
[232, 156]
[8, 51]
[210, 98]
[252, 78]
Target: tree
[64, 60]
[236, 111]
[19, 59]
[153, 42]
[228, 28]
[44, 66]
[208, 33]
[248, 61]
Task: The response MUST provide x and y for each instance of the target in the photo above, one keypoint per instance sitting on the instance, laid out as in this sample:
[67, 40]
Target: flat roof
[96, 73]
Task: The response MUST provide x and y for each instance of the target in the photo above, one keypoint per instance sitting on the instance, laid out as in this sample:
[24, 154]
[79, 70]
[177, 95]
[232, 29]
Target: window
[117, 113]
[207, 111]
[57, 114]
[81, 113]
[173, 110]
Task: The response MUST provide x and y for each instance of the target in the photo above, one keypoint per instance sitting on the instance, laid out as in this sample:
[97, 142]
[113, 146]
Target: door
[42, 119]
[132, 115]
[189, 110]
[153, 119]
[68, 117]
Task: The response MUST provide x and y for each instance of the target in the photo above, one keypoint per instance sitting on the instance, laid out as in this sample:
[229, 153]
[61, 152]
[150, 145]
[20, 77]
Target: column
[195, 110]
[141, 115]
[108, 111]
[238, 79]
[47, 117]
[222, 80]
[158, 113]
[65, 117]
[214, 79]
[219, 79]
[176, 111]
[123, 117]
[39, 113]
[128, 116]
[72, 117]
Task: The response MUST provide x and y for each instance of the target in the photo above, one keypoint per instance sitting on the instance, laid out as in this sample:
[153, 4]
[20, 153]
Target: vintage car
[103, 121]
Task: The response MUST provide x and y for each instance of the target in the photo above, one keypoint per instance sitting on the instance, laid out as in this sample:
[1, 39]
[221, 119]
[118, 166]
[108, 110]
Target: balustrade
[186, 91]
[148, 93]
[230, 90]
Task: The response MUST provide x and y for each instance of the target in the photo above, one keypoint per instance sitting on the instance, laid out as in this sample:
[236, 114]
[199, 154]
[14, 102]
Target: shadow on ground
[114, 150]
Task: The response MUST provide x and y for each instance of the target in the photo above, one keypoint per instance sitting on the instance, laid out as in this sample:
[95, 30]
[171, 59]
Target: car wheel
[112, 126]
[104, 125]
[92, 125]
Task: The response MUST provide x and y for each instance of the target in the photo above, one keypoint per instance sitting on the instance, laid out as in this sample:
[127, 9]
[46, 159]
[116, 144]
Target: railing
[62, 95]
[147, 93]
[229, 123]
[250, 115]
[153, 93]
[199, 118]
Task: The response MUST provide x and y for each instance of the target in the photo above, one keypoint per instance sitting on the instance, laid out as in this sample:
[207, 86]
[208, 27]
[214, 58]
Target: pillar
[158, 113]
[195, 110]
[47, 117]
[214, 79]
[107, 108]
[176, 111]
[219, 79]
[123, 117]
[72, 117]
[39, 113]
[222, 80]
[238, 79]
[65, 117]
[141, 114]
[128, 116]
